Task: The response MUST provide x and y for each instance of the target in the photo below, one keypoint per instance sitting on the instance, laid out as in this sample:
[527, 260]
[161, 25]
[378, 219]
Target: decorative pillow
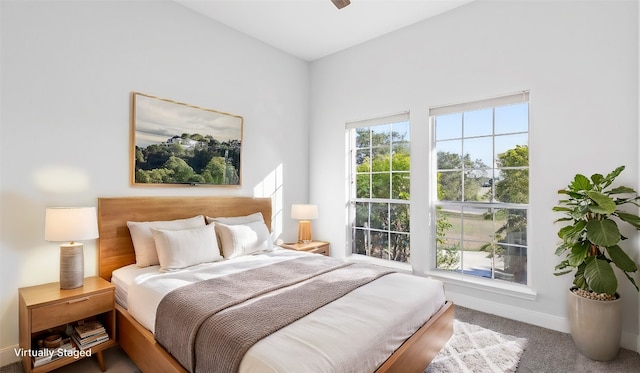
[143, 243]
[180, 249]
[235, 220]
[243, 239]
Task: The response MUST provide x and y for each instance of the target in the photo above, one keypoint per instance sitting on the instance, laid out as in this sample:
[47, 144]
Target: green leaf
[578, 279]
[613, 174]
[580, 212]
[572, 233]
[561, 208]
[629, 218]
[562, 232]
[621, 190]
[605, 204]
[562, 248]
[632, 281]
[597, 178]
[603, 232]
[600, 277]
[578, 254]
[563, 264]
[562, 273]
[580, 182]
[621, 259]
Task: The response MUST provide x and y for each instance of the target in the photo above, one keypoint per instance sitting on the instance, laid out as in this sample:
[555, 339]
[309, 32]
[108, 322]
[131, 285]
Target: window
[482, 187]
[379, 187]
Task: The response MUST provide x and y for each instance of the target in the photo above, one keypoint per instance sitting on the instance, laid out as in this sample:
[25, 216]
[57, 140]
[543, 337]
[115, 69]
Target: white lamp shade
[70, 224]
[304, 212]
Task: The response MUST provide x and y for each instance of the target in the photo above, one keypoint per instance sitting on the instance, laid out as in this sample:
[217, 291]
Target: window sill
[468, 281]
[476, 283]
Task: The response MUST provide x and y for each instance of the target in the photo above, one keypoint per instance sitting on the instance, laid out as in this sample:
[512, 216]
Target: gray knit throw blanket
[196, 326]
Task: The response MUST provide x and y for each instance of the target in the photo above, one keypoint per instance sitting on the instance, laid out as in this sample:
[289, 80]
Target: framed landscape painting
[176, 143]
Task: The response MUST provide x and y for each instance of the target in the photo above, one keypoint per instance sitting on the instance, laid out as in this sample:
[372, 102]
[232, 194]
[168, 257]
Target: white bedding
[355, 333]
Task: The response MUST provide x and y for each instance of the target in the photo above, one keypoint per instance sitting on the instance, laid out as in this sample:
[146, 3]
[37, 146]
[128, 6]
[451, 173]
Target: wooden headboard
[115, 248]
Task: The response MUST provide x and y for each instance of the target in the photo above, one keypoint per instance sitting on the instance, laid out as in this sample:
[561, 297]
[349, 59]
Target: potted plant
[590, 241]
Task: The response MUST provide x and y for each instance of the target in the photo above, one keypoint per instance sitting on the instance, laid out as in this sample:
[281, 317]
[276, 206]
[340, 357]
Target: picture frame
[173, 143]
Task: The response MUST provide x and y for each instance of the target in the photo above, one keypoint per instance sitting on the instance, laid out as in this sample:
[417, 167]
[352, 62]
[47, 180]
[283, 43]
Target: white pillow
[143, 243]
[180, 249]
[243, 239]
[235, 220]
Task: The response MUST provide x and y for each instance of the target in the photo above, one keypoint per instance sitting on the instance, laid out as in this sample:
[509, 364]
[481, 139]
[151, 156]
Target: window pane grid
[380, 191]
[481, 197]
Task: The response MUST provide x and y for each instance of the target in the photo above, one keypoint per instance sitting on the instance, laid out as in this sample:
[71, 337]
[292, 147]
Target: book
[89, 328]
[84, 344]
[48, 355]
[93, 337]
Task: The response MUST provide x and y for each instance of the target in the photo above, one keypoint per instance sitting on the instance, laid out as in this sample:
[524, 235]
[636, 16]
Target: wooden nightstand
[318, 247]
[46, 307]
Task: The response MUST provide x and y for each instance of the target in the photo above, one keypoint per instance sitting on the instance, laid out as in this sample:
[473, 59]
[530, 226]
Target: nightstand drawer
[324, 250]
[71, 310]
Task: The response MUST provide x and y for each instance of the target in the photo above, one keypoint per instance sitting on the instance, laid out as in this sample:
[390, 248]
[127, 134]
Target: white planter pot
[596, 326]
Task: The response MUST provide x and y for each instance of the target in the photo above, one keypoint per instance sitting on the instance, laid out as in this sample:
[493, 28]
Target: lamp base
[304, 231]
[71, 265]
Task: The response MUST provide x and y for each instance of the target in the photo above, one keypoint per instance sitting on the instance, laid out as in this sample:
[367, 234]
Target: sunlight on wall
[271, 186]
[61, 179]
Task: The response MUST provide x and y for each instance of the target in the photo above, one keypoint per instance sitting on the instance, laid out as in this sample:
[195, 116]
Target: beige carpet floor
[549, 351]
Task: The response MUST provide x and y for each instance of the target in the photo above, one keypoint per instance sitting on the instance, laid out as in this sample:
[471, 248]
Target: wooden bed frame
[115, 250]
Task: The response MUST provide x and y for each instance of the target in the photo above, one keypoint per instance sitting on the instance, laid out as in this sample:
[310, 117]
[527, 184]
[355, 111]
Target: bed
[410, 354]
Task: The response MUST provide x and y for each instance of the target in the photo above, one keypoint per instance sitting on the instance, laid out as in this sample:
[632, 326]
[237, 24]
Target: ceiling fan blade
[341, 3]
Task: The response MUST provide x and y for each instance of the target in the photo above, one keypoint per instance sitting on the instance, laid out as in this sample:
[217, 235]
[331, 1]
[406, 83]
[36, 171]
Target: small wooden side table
[317, 247]
[45, 307]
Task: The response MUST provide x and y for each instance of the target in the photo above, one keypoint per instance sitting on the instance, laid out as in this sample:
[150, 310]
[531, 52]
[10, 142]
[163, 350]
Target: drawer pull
[78, 300]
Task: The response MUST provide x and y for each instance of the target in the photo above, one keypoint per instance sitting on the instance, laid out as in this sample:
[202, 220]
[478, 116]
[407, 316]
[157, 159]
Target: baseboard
[8, 355]
[514, 313]
[629, 341]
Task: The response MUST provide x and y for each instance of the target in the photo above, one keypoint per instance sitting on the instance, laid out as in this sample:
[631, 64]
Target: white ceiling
[312, 29]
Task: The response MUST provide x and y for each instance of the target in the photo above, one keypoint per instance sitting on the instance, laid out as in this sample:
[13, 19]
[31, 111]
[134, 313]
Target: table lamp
[304, 213]
[70, 224]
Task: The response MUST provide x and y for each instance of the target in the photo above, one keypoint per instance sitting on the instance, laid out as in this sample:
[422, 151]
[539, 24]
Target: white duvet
[355, 333]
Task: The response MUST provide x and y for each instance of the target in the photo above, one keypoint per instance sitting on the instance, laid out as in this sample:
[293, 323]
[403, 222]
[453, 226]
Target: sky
[157, 120]
[511, 129]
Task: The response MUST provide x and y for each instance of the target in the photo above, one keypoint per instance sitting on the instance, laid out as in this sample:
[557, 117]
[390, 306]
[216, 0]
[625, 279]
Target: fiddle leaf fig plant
[591, 238]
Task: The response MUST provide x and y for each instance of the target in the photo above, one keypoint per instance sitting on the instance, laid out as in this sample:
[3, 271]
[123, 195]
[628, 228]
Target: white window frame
[524, 291]
[350, 128]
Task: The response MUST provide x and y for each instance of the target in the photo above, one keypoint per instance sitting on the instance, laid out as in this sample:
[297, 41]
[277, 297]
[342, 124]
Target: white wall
[68, 68]
[580, 62]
